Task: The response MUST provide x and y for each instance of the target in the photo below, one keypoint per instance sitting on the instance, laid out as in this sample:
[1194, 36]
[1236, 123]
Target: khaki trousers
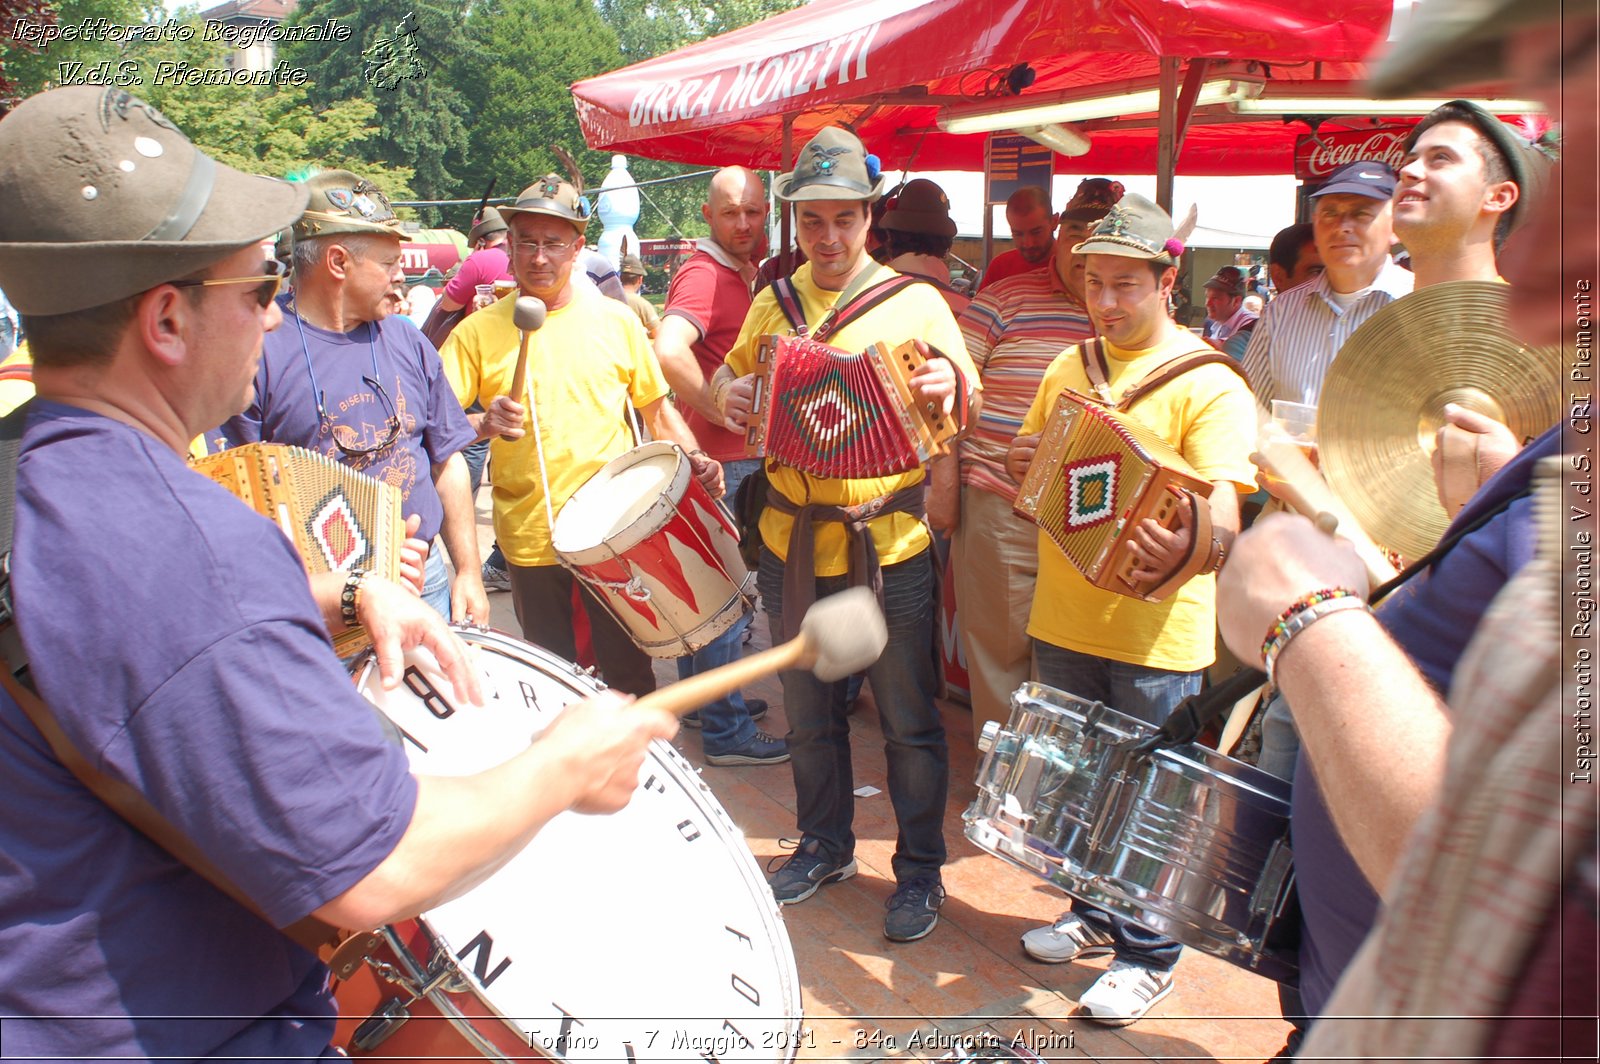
[996, 566]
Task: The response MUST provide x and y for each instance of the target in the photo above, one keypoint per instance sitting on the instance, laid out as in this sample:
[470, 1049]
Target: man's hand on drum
[1020, 456]
[503, 418]
[708, 471]
[933, 384]
[602, 741]
[413, 557]
[1161, 550]
[398, 620]
[1281, 559]
[737, 400]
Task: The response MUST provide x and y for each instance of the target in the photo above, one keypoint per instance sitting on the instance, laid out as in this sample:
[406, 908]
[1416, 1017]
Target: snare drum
[1198, 849]
[1186, 841]
[1045, 778]
[653, 545]
[646, 934]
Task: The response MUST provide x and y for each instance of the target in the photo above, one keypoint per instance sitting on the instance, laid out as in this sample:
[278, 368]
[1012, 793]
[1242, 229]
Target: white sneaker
[1125, 993]
[1069, 938]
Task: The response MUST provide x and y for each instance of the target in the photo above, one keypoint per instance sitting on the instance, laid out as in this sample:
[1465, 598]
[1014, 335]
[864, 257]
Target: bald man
[706, 305]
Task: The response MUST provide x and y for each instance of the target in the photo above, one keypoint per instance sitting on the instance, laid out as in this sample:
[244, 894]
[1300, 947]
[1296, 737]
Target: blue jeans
[726, 722]
[1139, 691]
[436, 581]
[903, 685]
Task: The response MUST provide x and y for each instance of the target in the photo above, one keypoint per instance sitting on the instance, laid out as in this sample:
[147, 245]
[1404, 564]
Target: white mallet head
[845, 633]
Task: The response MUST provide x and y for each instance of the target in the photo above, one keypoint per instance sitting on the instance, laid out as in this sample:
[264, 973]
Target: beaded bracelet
[1305, 602]
[1301, 620]
[349, 596]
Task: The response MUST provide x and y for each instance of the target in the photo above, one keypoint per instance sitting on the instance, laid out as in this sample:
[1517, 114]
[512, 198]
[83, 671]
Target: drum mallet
[839, 635]
[527, 315]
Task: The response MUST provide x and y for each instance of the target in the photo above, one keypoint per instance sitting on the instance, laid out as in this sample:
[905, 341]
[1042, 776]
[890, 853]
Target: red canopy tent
[888, 66]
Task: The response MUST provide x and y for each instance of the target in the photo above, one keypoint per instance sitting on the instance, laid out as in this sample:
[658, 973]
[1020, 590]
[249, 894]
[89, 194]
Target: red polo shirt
[714, 299]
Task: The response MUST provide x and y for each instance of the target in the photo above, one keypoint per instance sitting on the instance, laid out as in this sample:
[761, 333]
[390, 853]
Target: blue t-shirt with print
[183, 654]
[413, 389]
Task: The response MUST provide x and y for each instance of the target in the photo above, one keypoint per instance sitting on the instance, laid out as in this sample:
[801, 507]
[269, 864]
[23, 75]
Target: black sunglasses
[270, 282]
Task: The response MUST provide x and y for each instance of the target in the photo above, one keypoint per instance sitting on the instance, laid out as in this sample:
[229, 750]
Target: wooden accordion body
[838, 414]
[1097, 473]
[336, 517]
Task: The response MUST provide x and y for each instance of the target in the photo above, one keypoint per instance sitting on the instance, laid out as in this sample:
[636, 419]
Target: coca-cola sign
[1317, 157]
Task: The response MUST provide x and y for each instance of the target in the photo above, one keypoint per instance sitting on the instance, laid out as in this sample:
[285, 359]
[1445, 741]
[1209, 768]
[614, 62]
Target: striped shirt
[1014, 329]
[1299, 334]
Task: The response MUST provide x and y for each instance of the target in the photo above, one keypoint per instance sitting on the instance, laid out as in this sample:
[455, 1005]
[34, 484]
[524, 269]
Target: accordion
[336, 517]
[1098, 473]
[836, 414]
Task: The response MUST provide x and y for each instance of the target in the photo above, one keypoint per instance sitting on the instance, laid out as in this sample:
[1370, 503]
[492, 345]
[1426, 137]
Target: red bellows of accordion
[838, 414]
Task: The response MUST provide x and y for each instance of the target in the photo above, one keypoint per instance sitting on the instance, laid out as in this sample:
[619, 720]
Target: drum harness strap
[122, 798]
[799, 575]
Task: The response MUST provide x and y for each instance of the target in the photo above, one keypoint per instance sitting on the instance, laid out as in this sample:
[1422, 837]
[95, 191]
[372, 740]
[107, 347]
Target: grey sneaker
[756, 706]
[914, 908]
[495, 579]
[759, 749]
[1069, 938]
[799, 877]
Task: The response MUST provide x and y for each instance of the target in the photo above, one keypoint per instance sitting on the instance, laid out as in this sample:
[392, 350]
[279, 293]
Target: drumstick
[840, 634]
[527, 315]
[1299, 484]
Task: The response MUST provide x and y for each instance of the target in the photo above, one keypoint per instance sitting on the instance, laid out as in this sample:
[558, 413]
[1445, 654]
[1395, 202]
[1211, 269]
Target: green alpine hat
[341, 202]
[551, 196]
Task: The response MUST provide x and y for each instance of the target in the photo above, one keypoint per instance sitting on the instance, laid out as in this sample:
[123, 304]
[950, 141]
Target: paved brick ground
[866, 998]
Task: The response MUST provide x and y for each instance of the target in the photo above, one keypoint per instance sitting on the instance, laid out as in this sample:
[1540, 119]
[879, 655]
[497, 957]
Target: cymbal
[1384, 396]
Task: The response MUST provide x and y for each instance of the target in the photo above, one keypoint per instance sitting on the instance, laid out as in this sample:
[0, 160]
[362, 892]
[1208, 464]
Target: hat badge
[825, 163]
[1117, 220]
[551, 190]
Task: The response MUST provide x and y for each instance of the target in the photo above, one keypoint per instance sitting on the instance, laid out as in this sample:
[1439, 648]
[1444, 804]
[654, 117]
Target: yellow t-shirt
[585, 364]
[15, 392]
[1209, 416]
[918, 312]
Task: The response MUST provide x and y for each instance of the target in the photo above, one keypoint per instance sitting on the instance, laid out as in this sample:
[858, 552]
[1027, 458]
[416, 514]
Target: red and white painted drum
[649, 934]
[653, 545]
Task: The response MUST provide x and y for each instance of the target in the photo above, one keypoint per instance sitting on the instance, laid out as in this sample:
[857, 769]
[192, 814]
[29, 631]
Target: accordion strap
[1096, 368]
[799, 572]
[859, 297]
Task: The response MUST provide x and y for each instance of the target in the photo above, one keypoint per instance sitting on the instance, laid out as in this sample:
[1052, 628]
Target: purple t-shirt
[1432, 617]
[187, 658]
[484, 266]
[432, 424]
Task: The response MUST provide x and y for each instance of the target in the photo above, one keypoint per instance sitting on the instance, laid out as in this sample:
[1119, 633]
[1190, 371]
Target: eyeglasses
[270, 282]
[364, 199]
[342, 433]
[552, 248]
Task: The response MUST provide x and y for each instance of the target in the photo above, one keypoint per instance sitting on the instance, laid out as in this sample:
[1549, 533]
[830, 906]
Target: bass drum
[649, 934]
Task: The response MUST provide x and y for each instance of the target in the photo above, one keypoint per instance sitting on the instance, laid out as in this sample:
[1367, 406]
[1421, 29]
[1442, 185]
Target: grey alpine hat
[832, 166]
[1529, 166]
[1136, 229]
[488, 225]
[106, 198]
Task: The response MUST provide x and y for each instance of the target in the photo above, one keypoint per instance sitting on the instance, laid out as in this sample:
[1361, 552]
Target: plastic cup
[504, 288]
[485, 292]
[1298, 421]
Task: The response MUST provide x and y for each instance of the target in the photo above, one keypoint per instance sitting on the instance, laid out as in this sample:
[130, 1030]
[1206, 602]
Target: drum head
[618, 497]
[650, 933]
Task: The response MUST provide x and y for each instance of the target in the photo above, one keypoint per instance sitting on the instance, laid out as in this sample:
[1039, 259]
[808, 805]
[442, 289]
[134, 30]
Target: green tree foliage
[26, 69]
[418, 122]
